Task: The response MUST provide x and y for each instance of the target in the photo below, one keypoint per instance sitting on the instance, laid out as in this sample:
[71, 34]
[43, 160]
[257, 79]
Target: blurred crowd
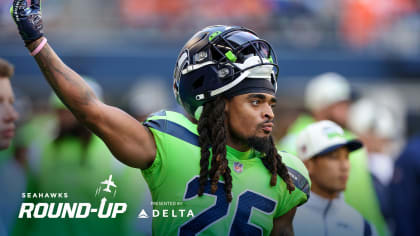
[392, 25]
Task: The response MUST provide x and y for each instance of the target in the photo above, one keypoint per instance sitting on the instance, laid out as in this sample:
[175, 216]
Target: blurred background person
[147, 95]
[328, 97]
[74, 147]
[378, 127]
[404, 193]
[9, 166]
[323, 148]
[7, 99]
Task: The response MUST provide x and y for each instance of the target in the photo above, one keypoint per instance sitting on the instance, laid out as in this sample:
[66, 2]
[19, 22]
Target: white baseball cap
[367, 115]
[325, 90]
[321, 138]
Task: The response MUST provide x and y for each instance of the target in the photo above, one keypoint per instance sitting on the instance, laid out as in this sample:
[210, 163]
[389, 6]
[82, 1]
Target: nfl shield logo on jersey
[238, 167]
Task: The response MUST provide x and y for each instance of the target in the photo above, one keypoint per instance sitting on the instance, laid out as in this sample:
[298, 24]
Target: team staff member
[325, 152]
[221, 161]
[328, 97]
[403, 190]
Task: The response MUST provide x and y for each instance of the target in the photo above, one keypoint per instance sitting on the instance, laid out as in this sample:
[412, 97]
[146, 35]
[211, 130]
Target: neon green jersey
[173, 182]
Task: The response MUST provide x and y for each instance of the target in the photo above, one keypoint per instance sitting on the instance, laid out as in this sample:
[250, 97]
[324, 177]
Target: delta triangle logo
[143, 214]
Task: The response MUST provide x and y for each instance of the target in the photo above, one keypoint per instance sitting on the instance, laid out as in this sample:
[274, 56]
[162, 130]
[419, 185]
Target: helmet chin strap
[198, 112]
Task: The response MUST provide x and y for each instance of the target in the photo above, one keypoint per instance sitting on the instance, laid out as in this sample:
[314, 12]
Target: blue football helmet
[216, 59]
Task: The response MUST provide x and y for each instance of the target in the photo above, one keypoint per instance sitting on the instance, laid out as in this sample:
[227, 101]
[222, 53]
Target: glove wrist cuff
[31, 45]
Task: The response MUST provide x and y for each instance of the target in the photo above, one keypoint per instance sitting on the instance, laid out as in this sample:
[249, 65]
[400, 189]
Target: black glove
[28, 19]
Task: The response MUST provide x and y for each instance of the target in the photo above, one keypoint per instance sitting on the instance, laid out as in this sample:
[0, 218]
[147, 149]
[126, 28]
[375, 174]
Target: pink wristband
[40, 47]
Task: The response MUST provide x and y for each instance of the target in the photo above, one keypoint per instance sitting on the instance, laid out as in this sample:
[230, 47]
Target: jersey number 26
[241, 224]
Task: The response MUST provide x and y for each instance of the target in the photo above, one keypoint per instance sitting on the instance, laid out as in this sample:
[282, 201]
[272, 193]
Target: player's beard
[261, 144]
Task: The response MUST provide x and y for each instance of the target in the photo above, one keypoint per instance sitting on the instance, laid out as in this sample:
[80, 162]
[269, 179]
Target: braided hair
[212, 131]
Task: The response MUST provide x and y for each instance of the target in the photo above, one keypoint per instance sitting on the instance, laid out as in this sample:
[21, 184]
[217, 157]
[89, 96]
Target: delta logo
[67, 210]
[166, 213]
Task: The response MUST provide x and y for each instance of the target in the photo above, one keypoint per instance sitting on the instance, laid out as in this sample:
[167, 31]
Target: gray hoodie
[324, 217]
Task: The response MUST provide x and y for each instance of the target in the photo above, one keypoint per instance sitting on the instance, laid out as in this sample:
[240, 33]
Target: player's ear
[310, 166]
[226, 105]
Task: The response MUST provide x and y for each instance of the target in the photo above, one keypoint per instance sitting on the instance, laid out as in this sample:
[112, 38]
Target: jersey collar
[250, 154]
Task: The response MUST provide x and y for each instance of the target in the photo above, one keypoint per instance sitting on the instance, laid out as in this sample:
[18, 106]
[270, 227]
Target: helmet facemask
[226, 59]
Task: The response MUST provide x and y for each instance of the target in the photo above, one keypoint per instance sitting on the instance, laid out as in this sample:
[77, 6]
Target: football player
[220, 162]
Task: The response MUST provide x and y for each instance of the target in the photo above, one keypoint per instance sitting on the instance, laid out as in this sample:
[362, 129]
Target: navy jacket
[404, 191]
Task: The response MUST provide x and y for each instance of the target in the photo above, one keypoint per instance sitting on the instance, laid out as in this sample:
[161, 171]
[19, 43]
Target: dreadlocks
[212, 130]
[212, 134]
[273, 162]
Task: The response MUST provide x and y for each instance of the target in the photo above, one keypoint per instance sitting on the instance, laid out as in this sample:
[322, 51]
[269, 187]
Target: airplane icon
[108, 182]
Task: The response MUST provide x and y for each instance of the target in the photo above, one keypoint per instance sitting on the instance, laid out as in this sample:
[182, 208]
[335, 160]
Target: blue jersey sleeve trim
[299, 181]
[367, 230]
[173, 129]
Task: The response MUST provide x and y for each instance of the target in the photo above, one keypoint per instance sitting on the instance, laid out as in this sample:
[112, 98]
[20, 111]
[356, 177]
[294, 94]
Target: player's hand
[28, 19]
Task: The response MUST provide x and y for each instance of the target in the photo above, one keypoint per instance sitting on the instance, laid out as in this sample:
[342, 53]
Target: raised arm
[128, 140]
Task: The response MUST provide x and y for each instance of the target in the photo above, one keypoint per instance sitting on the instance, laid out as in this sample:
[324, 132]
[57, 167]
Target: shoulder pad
[297, 172]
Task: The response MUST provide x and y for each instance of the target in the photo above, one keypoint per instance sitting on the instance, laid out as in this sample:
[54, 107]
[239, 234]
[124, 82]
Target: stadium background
[373, 43]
